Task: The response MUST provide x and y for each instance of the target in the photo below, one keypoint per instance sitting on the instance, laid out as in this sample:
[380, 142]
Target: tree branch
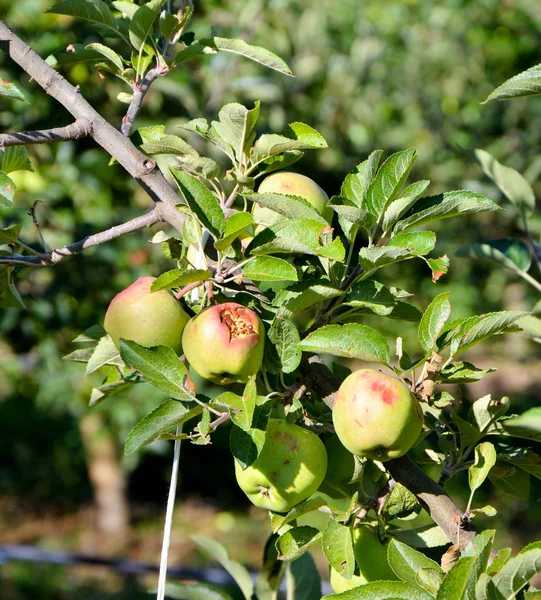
[139, 93]
[142, 168]
[76, 130]
[50, 258]
[432, 496]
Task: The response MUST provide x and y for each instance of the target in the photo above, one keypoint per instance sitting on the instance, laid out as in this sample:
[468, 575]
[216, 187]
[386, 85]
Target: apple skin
[148, 318]
[371, 558]
[289, 468]
[375, 415]
[224, 343]
[340, 467]
[294, 184]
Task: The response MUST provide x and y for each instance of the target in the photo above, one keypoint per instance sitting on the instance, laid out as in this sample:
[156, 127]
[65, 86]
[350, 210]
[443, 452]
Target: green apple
[340, 467]
[375, 415]
[371, 558]
[224, 343]
[294, 184]
[289, 468]
[148, 318]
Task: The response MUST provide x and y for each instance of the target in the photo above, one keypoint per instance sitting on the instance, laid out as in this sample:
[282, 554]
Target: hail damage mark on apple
[237, 321]
[385, 392]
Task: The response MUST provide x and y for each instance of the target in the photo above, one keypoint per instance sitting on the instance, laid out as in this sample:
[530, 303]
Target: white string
[162, 578]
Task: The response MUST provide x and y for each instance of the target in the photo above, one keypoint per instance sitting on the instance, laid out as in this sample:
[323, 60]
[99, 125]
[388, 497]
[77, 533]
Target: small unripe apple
[293, 184]
[375, 415]
[148, 318]
[224, 343]
[289, 468]
[371, 558]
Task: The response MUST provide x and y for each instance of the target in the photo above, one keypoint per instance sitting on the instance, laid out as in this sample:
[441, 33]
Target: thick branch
[50, 258]
[79, 129]
[142, 168]
[139, 93]
[432, 497]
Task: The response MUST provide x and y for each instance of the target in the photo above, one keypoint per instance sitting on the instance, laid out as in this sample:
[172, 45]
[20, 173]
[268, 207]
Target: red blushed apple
[224, 343]
[148, 318]
[376, 415]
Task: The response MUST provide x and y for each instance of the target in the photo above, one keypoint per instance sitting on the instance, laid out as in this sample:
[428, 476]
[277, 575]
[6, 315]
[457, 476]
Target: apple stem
[162, 577]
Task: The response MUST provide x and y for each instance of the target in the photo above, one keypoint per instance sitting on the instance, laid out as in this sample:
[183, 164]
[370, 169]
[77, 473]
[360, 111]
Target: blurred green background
[369, 75]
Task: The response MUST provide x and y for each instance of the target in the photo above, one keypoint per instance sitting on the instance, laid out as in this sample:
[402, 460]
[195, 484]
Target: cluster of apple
[374, 415]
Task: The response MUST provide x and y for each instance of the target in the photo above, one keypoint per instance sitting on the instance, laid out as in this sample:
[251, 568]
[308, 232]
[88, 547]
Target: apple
[340, 467]
[371, 558]
[289, 468]
[148, 318]
[294, 184]
[224, 343]
[375, 415]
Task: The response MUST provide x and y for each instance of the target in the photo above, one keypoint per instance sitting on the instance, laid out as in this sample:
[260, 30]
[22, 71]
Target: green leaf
[389, 181]
[485, 459]
[427, 536]
[15, 158]
[285, 338]
[303, 579]
[255, 53]
[105, 353]
[513, 185]
[303, 295]
[352, 213]
[142, 23]
[356, 184]
[165, 417]
[239, 573]
[485, 411]
[243, 417]
[128, 9]
[270, 268]
[200, 166]
[202, 202]
[12, 90]
[526, 426]
[288, 236]
[246, 445]
[527, 83]
[296, 541]
[401, 205]
[179, 278]
[7, 190]
[433, 321]
[95, 11]
[159, 366]
[444, 206]
[279, 520]
[297, 136]
[351, 340]
[400, 503]
[499, 560]
[278, 162]
[169, 144]
[464, 333]
[9, 296]
[462, 372]
[292, 207]
[523, 458]
[406, 563]
[383, 590]
[236, 127]
[509, 252]
[337, 546]
[439, 266]
[109, 54]
[10, 235]
[416, 243]
[234, 226]
[375, 258]
[195, 590]
[370, 294]
[517, 572]
[334, 250]
[512, 481]
[457, 581]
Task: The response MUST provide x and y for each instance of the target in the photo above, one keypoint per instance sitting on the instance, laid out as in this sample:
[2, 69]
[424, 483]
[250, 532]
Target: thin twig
[54, 256]
[80, 128]
[139, 93]
[32, 213]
